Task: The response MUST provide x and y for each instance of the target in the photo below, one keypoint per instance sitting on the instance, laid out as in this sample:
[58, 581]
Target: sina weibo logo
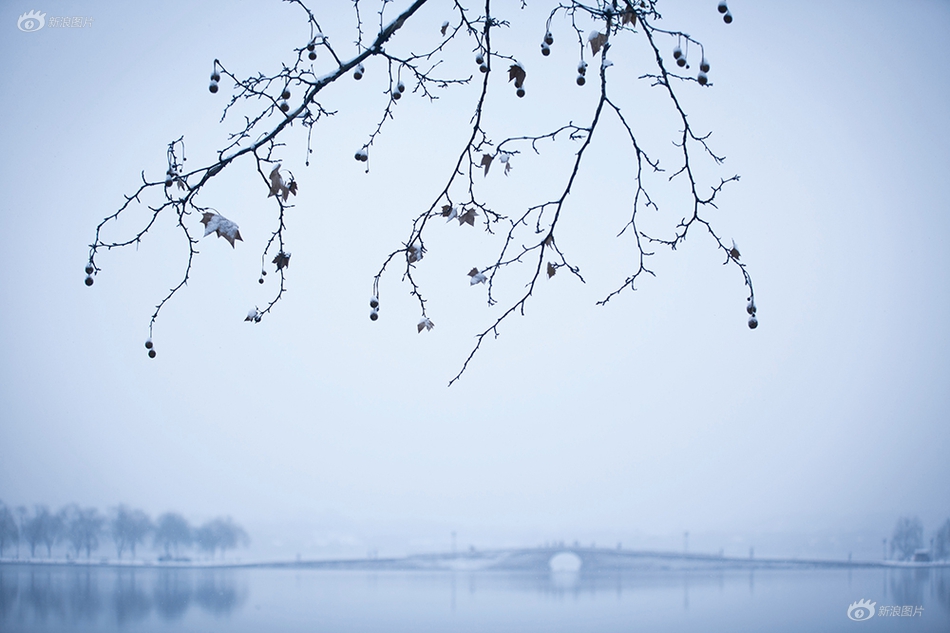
[861, 610]
[32, 21]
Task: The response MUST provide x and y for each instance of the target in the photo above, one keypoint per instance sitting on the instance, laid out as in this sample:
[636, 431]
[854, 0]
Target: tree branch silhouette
[530, 237]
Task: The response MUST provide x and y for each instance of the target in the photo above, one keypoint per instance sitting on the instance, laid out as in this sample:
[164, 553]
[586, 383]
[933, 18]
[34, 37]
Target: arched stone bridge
[591, 559]
[585, 559]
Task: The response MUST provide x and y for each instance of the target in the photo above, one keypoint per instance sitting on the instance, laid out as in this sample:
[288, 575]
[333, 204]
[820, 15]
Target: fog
[327, 435]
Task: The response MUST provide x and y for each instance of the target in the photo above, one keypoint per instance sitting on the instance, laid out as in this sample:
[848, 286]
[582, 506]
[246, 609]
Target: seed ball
[753, 322]
[89, 269]
[284, 106]
[681, 62]
[357, 75]
[148, 343]
[401, 87]
[261, 280]
[727, 18]
[483, 68]
[520, 92]
[151, 353]
[374, 303]
[373, 315]
[213, 87]
[312, 55]
[89, 280]
[358, 155]
[479, 59]
[581, 80]
[582, 67]
[364, 156]
[310, 46]
[750, 308]
[677, 52]
[548, 38]
[702, 79]
[285, 94]
[518, 83]
[545, 50]
[215, 76]
[704, 66]
[723, 7]
[397, 96]
[168, 182]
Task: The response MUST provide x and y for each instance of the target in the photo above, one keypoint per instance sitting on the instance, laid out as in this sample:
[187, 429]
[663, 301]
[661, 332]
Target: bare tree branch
[528, 239]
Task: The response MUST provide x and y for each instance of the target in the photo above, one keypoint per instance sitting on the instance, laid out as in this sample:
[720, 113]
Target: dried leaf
[734, 251]
[597, 41]
[253, 315]
[282, 260]
[414, 253]
[276, 182]
[629, 17]
[476, 277]
[507, 167]
[516, 73]
[486, 162]
[467, 217]
[279, 187]
[424, 324]
[222, 226]
[445, 27]
[552, 270]
[549, 240]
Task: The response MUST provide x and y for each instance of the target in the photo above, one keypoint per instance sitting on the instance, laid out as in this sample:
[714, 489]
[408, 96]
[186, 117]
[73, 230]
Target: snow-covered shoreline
[590, 559]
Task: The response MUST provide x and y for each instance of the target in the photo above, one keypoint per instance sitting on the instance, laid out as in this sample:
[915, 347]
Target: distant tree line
[908, 539]
[81, 531]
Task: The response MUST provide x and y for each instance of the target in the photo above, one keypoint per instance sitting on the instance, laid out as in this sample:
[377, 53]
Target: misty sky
[659, 413]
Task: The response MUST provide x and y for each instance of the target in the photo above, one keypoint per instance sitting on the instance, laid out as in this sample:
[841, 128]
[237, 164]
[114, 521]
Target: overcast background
[327, 435]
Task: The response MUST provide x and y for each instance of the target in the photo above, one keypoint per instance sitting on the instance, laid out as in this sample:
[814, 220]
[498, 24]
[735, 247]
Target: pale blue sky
[659, 413]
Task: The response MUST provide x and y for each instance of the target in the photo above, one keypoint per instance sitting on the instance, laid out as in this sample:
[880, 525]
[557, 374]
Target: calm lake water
[72, 598]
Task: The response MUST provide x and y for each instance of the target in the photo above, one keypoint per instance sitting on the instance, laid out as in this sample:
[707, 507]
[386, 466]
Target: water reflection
[913, 586]
[99, 599]
[219, 594]
[130, 601]
[942, 589]
[86, 596]
[85, 602]
[172, 594]
[907, 585]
